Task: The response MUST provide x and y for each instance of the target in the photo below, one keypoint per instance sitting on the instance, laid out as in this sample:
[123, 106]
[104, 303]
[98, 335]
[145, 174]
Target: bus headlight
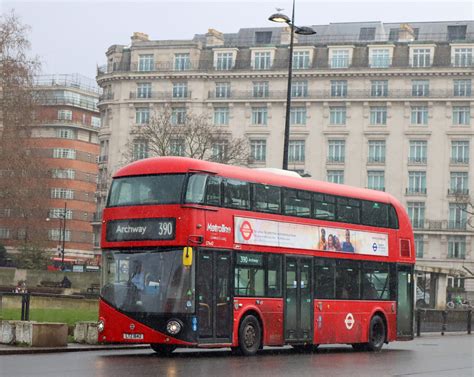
[100, 325]
[173, 327]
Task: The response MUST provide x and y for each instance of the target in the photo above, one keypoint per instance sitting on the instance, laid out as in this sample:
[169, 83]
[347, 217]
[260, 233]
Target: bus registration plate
[133, 336]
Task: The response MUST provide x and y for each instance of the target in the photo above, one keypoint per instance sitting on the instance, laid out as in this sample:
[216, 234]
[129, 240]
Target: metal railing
[431, 320]
[415, 191]
[161, 95]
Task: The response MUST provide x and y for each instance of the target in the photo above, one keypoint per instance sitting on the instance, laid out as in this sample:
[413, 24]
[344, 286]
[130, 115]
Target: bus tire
[376, 334]
[250, 335]
[162, 349]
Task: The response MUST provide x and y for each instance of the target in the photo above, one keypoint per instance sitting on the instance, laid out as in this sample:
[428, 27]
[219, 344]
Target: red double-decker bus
[199, 254]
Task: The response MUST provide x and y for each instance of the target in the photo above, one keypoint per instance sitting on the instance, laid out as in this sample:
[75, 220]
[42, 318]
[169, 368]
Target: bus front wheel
[376, 334]
[162, 349]
[250, 335]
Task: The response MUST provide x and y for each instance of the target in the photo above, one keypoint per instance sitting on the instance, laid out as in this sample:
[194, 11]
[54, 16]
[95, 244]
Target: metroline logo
[218, 228]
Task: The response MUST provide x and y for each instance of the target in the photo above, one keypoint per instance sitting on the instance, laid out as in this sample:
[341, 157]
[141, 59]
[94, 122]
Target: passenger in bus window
[347, 245]
[322, 240]
[138, 277]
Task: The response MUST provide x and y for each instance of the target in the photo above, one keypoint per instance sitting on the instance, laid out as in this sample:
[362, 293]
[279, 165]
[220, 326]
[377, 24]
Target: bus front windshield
[148, 282]
[146, 190]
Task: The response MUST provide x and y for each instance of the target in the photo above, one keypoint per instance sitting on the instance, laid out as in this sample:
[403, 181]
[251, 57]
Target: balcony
[163, 96]
[335, 159]
[417, 160]
[415, 191]
[460, 160]
[442, 225]
[457, 224]
[458, 192]
[376, 160]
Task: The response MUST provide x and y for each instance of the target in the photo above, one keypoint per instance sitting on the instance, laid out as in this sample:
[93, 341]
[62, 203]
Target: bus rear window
[146, 190]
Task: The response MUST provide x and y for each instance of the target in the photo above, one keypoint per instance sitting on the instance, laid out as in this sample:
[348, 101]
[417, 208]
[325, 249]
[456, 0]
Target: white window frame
[296, 151]
[462, 88]
[377, 150]
[222, 89]
[301, 59]
[420, 88]
[259, 116]
[260, 89]
[262, 59]
[461, 115]
[460, 151]
[338, 88]
[337, 115]
[299, 88]
[66, 153]
[421, 56]
[258, 150]
[221, 115]
[178, 115]
[142, 115]
[336, 151]
[462, 55]
[379, 88]
[335, 176]
[419, 115]
[180, 90]
[146, 62]
[298, 116]
[144, 90]
[64, 114]
[418, 151]
[340, 57]
[376, 180]
[65, 133]
[140, 150]
[182, 61]
[416, 213]
[378, 115]
[380, 57]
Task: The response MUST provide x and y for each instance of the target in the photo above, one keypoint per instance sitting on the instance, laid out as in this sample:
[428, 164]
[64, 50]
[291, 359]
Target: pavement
[7, 349]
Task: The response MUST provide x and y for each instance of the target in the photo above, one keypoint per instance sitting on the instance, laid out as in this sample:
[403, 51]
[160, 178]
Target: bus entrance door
[298, 301]
[405, 301]
[214, 301]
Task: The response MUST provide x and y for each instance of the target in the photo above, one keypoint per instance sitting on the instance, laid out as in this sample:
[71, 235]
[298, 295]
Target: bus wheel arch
[377, 332]
[250, 333]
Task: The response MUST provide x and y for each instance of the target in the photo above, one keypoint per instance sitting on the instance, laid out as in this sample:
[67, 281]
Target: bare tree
[191, 135]
[22, 173]
[466, 205]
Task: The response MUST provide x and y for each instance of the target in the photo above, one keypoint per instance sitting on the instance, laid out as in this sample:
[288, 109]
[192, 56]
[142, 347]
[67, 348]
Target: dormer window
[457, 32]
[367, 34]
[263, 37]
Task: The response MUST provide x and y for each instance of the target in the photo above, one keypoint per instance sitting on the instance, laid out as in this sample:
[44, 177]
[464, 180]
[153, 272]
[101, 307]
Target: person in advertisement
[347, 245]
[331, 245]
[322, 240]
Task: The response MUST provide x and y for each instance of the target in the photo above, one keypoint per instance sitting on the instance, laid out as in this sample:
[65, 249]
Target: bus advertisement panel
[309, 237]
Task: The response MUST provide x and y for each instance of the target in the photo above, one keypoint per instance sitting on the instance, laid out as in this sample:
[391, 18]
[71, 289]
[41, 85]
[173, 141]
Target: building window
[460, 151]
[145, 63]
[178, 115]
[421, 57]
[57, 235]
[380, 58]
[298, 116]
[419, 245]
[63, 174]
[262, 60]
[144, 90]
[180, 90]
[64, 153]
[418, 151]
[336, 150]
[337, 115]
[461, 115]
[222, 89]
[4, 233]
[420, 88]
[462, 57]
[338, 88]
[64, 115]
[258, 150]
[140, 149]
[335, 176]
[419, 115]
[142, 115]
[299, 88]
[457, 247]
[96, 122]
[221, 116]
[177, 147]
[260, 89]
[416, 182]
[300, 60]
[462, 88]
[62, 193]
[458, 183]
[259, 116]
[378, 115]
[224, 61]
[379, 88]
[416, 213]
[457, 216]
[65, 133]
[58, 213]
[340, 59]
[367, 34]
[296, 151]
[263, 37]
[377, 151]
[182, 62]
[376, 180]
[219, 150]
[457, 32]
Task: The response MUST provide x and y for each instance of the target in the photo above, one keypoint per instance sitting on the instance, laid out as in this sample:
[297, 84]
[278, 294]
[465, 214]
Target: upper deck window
[146, 190]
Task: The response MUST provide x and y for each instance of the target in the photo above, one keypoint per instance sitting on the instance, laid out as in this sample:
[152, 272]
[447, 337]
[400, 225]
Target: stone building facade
[383, 106]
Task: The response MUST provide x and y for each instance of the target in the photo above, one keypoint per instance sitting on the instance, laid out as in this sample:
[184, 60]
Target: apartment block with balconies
[383, 106]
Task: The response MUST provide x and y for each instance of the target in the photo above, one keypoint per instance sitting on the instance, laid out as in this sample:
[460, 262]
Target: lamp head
[304, 30]
[279, 17]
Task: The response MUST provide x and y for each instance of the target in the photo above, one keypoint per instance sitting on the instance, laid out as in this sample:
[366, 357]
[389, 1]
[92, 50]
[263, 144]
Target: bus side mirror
[187, 256]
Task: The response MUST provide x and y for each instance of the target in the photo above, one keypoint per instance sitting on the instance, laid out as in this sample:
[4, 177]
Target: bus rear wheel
[250, 335]
[376, 334]
[162, 349]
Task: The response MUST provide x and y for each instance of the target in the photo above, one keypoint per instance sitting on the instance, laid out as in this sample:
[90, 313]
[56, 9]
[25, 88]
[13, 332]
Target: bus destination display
[141, 229]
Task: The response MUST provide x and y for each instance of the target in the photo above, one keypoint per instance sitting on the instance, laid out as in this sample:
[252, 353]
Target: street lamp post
[303, 30]
[63, 231]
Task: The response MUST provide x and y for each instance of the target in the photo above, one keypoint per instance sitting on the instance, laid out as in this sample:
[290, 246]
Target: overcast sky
[72, 36]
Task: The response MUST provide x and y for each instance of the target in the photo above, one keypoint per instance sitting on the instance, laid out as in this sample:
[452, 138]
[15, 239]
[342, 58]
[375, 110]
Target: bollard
[445, 319]
[418, 322]
[469, 319]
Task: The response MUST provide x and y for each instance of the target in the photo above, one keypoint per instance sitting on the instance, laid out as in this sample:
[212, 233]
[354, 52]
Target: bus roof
[170, 165]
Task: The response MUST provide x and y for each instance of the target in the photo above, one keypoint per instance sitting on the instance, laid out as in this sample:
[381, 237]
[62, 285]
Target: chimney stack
[214, 38]
[139, 37]
[406, 33]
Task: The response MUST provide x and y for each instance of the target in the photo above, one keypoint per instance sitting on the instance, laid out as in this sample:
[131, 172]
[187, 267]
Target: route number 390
[165, 229]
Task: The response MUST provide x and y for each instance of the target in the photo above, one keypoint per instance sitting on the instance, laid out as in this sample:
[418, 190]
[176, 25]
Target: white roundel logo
[349, 321]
